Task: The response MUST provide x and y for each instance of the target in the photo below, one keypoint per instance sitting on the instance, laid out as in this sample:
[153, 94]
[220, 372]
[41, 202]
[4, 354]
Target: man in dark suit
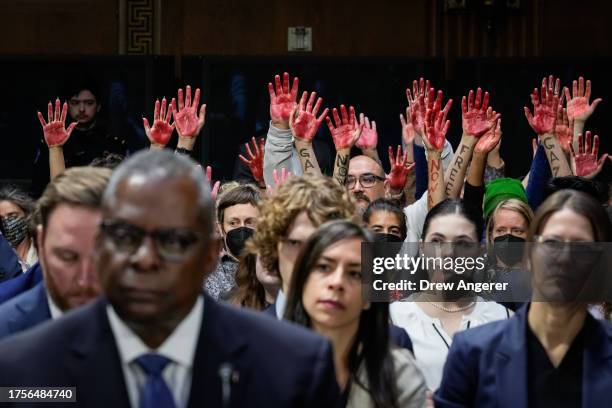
[155, 340]
[9, 262]
[69, 216]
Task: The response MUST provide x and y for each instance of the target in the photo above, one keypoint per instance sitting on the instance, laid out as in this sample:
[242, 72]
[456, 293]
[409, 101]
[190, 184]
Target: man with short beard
[68, 217]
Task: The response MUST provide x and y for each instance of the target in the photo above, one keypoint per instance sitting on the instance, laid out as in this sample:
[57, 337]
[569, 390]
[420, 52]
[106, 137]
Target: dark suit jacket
[397, 335]
[487, 366]
[275, 364]
[9, 262]
[24, 311]
[20, 284]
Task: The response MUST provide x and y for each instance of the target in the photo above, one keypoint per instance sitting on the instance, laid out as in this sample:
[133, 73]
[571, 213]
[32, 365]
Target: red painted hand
[585, 163]
[545, 111]
[278, 179]
[369, 136]
[54, 130]
[347, 131]
[564, 129]
[408, 131]
[400, 168]
[578, 106]
[474, 114]
[491, 139]
[188, 120]
[435, 130]
[161, 131]
[282, 102]
[255, 161]
[304, 122]
[417, 103]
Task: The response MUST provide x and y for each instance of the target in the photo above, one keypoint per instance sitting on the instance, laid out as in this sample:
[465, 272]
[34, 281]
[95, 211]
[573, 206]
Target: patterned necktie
[155, 393]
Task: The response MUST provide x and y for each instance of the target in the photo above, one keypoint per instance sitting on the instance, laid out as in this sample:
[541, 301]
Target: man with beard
[68, 216]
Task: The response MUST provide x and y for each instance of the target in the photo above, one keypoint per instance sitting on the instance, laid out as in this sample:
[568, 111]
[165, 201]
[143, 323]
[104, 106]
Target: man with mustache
[68, 215]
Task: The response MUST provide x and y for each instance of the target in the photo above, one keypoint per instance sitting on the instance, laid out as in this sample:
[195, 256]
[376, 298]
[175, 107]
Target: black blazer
[274, 364]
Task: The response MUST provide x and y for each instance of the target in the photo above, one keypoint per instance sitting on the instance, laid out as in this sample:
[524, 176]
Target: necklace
[451, 310]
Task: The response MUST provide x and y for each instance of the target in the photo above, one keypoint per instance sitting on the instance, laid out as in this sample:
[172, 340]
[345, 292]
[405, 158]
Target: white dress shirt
[280, 304]
[429, 340]
[179, 347]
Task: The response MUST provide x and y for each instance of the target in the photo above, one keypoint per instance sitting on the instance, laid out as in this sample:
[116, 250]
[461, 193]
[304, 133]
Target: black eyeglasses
[366, 180]
[172, 244]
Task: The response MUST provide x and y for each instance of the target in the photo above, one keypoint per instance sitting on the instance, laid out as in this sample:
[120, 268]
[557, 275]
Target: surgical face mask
[15, 229]
[508, 250]
[381, 237]
[235, 240]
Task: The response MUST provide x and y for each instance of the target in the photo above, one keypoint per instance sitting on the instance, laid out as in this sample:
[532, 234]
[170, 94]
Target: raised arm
[255, 161]
[162, 129]
[369, 138]
[345, 134]
[579, 109]
[585, 163]
[435, 126]
[188, 119]
[398, 175]
[56, 134]
[304, 125]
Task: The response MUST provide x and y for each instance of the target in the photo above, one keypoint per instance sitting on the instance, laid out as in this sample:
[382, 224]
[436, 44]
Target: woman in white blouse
[431, 318]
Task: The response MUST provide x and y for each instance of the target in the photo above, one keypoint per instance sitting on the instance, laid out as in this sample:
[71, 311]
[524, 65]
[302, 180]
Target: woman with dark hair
[552, 353]
[386, 218]
[432, 318]
[16, 207]
[326, 296]
[256, 287]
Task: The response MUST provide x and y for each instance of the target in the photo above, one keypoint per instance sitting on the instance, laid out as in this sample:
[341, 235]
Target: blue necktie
[156, 393]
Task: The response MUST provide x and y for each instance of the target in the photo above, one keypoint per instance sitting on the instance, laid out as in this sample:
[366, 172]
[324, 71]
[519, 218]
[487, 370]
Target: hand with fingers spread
[578, 106]
[303, 121]
[417, 101]
[54, 130]
[160, 133]
[279, 179]
[255, 160]
[585, 163]
[214, 188]
[408, 131]
[188, 119]
[436, 125]
[553, 85]
[282, 100]
[474, 117]
[369, 136]
[491, 139]
[544, 116]
[347, 131]
[564, 129]
[400, 168]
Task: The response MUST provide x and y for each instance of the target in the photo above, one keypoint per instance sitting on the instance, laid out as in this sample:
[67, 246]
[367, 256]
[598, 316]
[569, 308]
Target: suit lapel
[219, 345]
[95, 364]
[597, 365]
[33, 309]
[511, 363]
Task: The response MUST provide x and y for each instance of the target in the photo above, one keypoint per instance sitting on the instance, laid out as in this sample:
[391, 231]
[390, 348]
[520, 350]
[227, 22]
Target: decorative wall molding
[139, 27]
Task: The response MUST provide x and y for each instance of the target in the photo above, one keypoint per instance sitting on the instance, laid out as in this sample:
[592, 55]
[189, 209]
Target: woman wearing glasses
[326, 296]
[552, 353]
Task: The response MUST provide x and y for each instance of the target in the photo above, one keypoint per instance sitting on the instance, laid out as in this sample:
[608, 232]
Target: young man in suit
[156, 340]
[68, 215]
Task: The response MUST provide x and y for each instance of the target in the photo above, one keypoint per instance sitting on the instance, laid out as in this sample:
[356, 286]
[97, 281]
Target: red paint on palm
[256, 158]
[578, 105]
[369, 136]
[585, 163]
[346, 132]
[408, 130]
[55, 131]
[162, 129]
[187, 118]
[282, 101]
[304, 122]
[474, 114]
[545, 106]
[400, 168]
[491, 138]
[564, 129]
[436, 125]
[417, 103]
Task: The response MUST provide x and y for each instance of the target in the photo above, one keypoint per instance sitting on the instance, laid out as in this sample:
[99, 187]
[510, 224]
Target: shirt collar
[179, 347]
[54, 309]
[281, 303]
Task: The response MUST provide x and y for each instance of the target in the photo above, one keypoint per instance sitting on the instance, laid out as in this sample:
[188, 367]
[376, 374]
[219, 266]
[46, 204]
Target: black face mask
[507, 250]
[235, 240]
[380, 237]
[14, 229]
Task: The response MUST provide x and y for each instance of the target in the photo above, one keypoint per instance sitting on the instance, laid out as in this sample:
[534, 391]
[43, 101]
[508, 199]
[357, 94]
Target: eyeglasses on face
[366, 180]
[172, 244]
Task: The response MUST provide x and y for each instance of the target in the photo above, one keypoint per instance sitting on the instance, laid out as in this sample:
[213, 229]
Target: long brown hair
[249, 291]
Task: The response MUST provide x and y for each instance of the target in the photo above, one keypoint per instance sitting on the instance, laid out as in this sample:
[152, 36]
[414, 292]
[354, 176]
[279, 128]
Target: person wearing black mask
[386, 219]
[237, 215]
[15, 208]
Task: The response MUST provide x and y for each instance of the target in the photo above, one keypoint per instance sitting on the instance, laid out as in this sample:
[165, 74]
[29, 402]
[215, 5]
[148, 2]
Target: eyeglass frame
[350, 185]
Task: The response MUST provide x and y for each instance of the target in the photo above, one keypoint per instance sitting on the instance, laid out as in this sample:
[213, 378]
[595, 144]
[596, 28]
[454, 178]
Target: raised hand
[160, 133]
[544, 116]
[578, 106]
[187, 118]
[255, 160]
[585, 163]
[417, 103]
[346, 132]
[282, 101]
[491, 139]
[369, 136]
[564, 129]
[54, 130]
[215, 188]
[408, 131]
[278, 179]
[400, 168]
[436, 125]
[303, 121]
[553, 85]
[474, 114]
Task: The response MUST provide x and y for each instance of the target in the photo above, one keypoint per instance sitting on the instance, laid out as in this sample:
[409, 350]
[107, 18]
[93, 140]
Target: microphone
[227, 375]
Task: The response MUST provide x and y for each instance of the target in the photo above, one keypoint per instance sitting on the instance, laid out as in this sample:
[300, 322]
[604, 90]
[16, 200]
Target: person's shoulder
[485, 336]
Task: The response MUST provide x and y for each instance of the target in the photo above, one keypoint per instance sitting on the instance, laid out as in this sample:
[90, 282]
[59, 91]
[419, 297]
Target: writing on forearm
[457, 171]
[307, 163]
[558, 166]
[341, 167]
[434, 184]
